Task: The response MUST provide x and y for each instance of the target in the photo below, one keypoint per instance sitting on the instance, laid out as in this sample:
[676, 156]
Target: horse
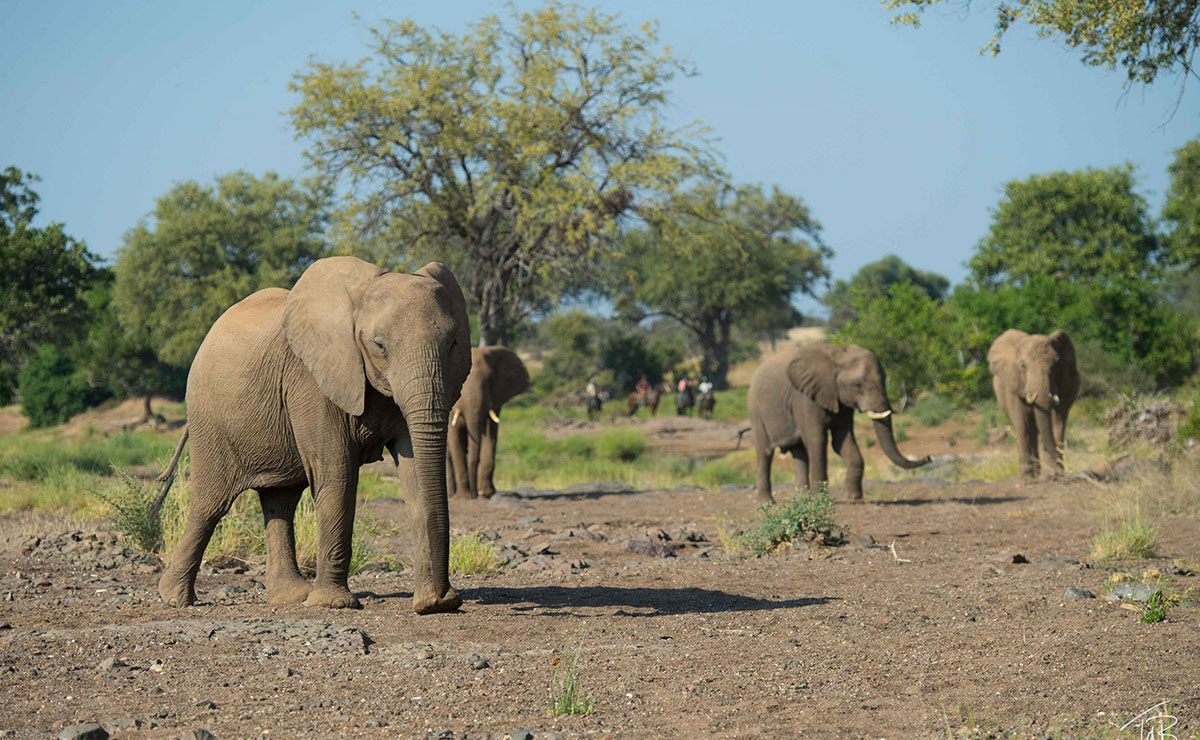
[650, 401]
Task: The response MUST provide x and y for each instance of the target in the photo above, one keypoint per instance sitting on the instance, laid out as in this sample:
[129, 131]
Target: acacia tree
[44, 274]
[202, 249]
[506, 152]
[718, 254]
[1088, 226]
[1143, 37]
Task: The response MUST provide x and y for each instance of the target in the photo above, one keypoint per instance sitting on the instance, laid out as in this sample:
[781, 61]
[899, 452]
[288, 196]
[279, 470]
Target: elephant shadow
[661, 601]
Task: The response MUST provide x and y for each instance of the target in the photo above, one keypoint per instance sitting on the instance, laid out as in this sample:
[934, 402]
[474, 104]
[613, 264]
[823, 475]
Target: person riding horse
[593, 398]
[707, 400]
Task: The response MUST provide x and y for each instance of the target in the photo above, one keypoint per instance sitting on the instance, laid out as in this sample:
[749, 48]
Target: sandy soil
[829, 642]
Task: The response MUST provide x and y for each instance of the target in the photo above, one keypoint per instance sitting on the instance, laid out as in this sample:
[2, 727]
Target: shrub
[52, 389]
[130, 511]
[1133, 538]
[473, 554]
[620, 444]
[805, 515]
[932, 410]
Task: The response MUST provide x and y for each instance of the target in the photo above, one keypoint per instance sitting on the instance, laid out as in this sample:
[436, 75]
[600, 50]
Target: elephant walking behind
[497, 374]
[798, 400]
[1036, 382]
[295, 389]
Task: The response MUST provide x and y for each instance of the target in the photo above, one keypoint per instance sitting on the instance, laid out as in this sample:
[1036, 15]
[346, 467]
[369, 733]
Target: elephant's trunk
[883, 432]
[431, 514]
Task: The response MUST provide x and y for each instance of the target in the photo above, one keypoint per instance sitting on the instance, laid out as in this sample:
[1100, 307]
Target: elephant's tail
[167, 478]
[741, 432]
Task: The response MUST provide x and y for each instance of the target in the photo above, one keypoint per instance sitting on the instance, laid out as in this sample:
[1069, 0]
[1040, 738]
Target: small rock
[478, 662]
[520, 735]
[270, 650]
[1075, 592]
[198, 734]
[648, 547]
[205, 704]
[340, 718]
[89, 731]
[529, 520]
[284, 673]
[1132, 591]
[1019, 558]
[109, 664]
[126, 724]
[425, 653]
[865, 540]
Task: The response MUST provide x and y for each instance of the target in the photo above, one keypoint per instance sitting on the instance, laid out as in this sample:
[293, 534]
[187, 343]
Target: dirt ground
[674, 637]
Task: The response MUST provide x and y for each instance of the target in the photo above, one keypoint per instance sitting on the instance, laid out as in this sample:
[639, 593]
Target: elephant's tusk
[495, 417]
[454, 417]
[1054, 397]
[879, 415]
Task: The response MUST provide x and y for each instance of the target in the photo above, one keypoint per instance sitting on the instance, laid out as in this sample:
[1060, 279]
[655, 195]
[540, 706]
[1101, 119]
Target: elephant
[497, 374]
[1036, 382]
[299, 388]
[797, 398]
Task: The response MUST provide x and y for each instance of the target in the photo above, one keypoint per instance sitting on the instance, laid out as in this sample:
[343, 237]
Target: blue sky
[900, 140]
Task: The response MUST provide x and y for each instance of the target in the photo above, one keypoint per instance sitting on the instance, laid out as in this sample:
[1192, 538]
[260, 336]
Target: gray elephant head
[838, 377]
[354, 326]
[1034, 369]
[497, 375]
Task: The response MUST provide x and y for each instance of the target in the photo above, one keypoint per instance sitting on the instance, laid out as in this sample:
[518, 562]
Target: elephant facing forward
[799, 399]
[1036, 382]
[497, 374]
[299, 388]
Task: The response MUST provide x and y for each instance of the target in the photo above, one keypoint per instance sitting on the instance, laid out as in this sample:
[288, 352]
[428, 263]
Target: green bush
[1190, 428]
[130, 512]
[932, 410]
[804, 515]
[53, 390]
[620, 444]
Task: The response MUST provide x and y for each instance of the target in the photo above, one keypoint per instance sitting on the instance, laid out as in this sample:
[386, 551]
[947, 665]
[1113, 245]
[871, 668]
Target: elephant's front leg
[817, 443]
[764, 452]
[1051, 456]
[285, 584]
[800, 456]
[432, 593]
[473, 441]
[457, 444]
[845, 446]
[487, 459]
[334, 492]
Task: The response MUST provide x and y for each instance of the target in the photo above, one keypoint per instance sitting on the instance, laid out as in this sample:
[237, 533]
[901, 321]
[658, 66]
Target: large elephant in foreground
[1036, 382]
[300, 388]
[798, 399]
[497, 374]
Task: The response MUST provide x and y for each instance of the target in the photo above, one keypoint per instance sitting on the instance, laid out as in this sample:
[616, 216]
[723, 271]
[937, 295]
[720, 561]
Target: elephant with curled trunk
[1036, 382]
[295, 389]
[799, 399]
[497, 374]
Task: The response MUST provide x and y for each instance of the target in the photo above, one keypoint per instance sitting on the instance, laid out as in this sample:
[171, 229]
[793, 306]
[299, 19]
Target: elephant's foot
[427, 603]
[176, 591]
[487, 493]
[290, 588]
[764, 497]
[332, 597]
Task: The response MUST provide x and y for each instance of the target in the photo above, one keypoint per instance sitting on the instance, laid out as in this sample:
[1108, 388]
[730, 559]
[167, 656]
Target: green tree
[873, 280]
[202, 249]
[53, 389]
[1181, 211]
[507, 152]
[716, 255]
[44, 270]
[120, 359]
[1145, 38]
[1087, 226]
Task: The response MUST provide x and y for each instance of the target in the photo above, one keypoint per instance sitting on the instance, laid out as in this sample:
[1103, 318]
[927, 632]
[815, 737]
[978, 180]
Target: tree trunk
[724, 328]
[493, 314]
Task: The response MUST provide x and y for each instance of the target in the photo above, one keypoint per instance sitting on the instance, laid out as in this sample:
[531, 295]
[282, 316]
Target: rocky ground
[952, 607]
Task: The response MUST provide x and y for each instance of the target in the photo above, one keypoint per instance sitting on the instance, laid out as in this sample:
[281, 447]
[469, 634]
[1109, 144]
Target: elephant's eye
[379, 346]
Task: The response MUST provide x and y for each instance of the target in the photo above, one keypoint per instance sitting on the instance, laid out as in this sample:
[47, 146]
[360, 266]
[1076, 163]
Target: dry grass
[472, 554]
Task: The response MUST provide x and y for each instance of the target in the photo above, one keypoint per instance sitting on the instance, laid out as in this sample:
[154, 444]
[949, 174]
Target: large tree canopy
[873, 280]
[203, 249]
[1086, 226]
[717, 254]
[1144, 38]
[44, 273]
[506, 151]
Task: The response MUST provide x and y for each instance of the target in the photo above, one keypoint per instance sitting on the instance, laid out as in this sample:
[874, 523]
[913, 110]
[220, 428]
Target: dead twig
[896, 556]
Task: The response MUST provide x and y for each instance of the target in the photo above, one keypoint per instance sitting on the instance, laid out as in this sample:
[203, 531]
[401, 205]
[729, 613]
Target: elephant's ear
[812, 371]
[318, 320]
[1002, 359]
[509, 376]
[460, 358]
[1062, 344]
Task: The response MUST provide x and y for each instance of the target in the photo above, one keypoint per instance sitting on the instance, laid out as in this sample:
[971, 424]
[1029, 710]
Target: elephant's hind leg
[764, 452]
[209, 501]
[285, 584]
[800, 456]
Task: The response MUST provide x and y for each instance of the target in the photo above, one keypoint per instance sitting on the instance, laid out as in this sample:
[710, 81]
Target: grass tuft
[804, 515]
[620, 443]
[1133, 538]
[129, 510]
[566, 695]
[471, 555]
[1156, 608]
